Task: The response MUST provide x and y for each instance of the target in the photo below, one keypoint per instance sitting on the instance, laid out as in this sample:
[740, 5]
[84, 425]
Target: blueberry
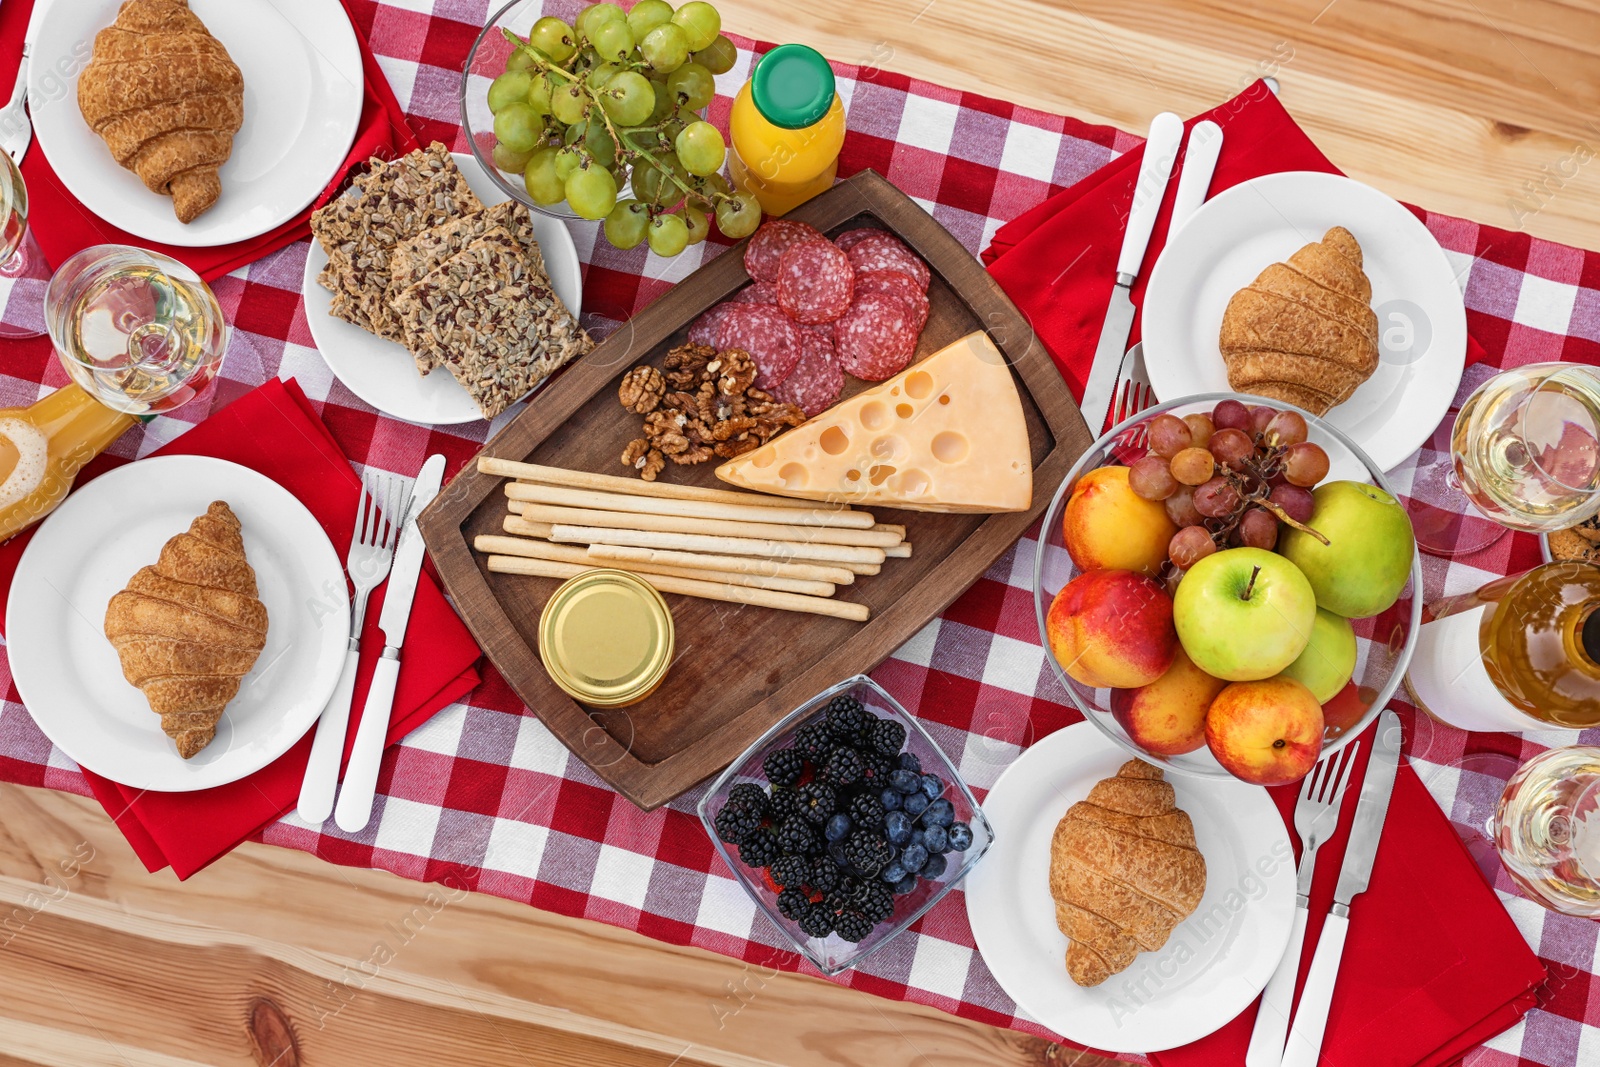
[905, 885]
[934, 867]
[893, 873]
[910, 762]
[836, 853]
[916, 804]
[940, 813]
[838, 828]
[891, 799]
[936, 839]
[905, 781]
[897, 827]
[932, 787]
[914, 858]
[960, 837]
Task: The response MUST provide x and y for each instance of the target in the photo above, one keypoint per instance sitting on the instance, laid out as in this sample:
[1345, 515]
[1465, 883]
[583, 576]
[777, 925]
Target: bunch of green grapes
[582, 108]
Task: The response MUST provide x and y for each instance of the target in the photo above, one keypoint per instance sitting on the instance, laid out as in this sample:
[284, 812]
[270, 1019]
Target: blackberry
[853, 925]
[817, 921]
[814, 742]
[876, 768]
[844, 767]
[749, 795]
[791, 871]
[784, 803]
[784, 766]
[817, 802]
[760, 849]
[797, 836]
[792, 904]
[825, 875]
[886, 735]
[866, 810]
[735, 824]
[867, 852]
[847, 717]
[848, 884]
[875, 900]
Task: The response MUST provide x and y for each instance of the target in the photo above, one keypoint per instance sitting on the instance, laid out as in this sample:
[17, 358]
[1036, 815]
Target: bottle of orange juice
[787, 128]
[43, 447]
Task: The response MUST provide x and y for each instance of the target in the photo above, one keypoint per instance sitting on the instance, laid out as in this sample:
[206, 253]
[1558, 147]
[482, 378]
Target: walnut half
[642, 389]
[644, 459]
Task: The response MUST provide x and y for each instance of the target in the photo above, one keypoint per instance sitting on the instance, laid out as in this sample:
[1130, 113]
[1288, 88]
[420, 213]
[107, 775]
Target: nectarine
[1112, 628]
[1168, 716]
[1268, 732]
[1107, 526]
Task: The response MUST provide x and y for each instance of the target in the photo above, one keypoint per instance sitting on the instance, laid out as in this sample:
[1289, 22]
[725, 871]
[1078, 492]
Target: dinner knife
[1311, 1018]
[1194, 180]
[1155, 170]
[361, 777]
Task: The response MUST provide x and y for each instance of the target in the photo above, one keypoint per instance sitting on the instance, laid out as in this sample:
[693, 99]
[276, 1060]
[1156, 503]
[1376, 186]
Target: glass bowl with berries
[1227, 585]
[845, 823]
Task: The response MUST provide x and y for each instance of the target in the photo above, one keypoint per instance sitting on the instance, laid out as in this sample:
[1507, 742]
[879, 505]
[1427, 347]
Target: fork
[1133, 395]
[1316, 814]
[371, 551]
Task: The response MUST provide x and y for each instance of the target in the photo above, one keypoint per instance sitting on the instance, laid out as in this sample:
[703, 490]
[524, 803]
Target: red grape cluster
[1229, 478]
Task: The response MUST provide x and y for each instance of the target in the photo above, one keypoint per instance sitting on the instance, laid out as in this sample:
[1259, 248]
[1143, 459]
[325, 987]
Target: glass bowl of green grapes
[601, 116]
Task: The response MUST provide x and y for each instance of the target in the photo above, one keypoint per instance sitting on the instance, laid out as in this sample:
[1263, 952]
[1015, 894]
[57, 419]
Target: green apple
[1329, 659]
[1367, 560]
[1244, 614]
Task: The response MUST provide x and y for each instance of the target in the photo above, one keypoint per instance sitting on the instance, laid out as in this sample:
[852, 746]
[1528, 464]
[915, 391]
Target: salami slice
[850, 237]
[875, 339]
[815, 281]
[884, 251]
[703, 331]
[817, 381]
[757, 293]
[896, 284]
[767, 334]
[761, 255]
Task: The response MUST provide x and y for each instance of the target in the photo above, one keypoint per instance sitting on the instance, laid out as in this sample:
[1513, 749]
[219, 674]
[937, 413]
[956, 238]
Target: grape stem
[1283, 516]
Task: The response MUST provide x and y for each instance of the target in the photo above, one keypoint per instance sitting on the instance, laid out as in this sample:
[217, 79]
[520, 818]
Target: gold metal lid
[606, 637]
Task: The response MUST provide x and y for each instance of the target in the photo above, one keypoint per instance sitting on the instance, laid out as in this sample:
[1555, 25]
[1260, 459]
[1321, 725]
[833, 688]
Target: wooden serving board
[739, 669]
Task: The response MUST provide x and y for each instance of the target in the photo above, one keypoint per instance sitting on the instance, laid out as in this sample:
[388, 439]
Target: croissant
[1124, 870]
[1304, 331]
[188, 629]
[167, 99]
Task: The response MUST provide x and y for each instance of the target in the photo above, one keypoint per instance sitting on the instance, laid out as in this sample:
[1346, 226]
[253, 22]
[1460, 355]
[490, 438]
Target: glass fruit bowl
[833, 953]
[1384, 642]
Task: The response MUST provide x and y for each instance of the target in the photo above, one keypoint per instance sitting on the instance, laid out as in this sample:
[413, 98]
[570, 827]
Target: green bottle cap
[792, 86]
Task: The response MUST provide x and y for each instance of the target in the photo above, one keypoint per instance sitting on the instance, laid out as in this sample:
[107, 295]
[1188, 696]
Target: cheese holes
[890, 447]
[920, 385]
[949, 447]
[879, 474]
[874, 416]
[905, 411]
[793, 475]
[910, 483]
[834, 441]
[945, 399]
[764, 458]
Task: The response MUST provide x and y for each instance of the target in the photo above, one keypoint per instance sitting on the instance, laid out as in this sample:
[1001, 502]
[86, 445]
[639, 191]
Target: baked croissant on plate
[1304, 331]
[167, 99]
[190, 628]
[1124, 870]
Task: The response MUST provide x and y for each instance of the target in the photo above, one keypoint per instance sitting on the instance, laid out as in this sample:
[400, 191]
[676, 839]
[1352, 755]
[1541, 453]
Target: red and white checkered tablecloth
[485, 793]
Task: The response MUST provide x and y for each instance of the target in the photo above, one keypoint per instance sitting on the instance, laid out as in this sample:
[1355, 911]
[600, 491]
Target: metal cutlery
[1316, 814]
[354, 808]
[16, 128]
[1311, 1017]
[379, 513]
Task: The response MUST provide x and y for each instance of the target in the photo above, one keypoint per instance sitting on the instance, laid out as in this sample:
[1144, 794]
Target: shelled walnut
[699, 404]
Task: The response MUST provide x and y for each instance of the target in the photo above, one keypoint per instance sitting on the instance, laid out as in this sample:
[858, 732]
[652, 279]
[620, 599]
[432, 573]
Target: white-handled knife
[361, 777]
[1311, 1017]
[16, 128]
[1194, 180]
[1155, 170]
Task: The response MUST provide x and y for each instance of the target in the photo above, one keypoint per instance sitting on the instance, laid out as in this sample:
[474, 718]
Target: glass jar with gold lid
[606, 637]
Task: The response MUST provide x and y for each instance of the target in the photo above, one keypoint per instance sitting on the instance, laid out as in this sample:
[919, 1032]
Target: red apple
[1268, 732]
[1168, 716]
[1112, 629]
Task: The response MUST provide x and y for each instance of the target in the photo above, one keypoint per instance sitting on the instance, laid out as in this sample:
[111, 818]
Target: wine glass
[1546, 830]
[23, 270]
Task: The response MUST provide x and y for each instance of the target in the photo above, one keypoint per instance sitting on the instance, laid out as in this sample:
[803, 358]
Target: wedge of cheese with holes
[946, 434]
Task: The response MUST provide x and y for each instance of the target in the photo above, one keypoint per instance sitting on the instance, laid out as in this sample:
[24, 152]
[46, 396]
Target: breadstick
[733, 546]
[518, 546]
[610, 483]
[817, 572]
[885, 527]
[863, 568]
[583, 498]
[900, 551]
[734, 594]
[772, 531]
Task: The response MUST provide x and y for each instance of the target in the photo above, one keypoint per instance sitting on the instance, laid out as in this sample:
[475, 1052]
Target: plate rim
[317, 324]
[1084, 733]
[291, 733]
[1453, 365]
[139, 226]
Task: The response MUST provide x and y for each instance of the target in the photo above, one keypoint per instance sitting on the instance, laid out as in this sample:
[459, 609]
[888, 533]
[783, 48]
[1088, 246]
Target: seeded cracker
[487, 318]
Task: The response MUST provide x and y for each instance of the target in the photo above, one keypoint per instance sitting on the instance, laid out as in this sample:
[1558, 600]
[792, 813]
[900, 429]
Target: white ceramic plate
[68, 673]
[1215, 962]
[1422, 322]
[303, 88]
[381, 372]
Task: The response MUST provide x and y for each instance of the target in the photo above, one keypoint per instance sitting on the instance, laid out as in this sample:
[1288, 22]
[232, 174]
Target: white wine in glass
[22, 268]
[1547, 830]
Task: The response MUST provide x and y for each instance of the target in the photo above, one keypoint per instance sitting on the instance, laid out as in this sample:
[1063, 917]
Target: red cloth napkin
[1433, 966]
[274, 431]
[63, 226]
[1057, 261]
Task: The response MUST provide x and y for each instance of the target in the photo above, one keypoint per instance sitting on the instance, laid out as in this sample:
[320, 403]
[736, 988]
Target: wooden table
[1484, 108]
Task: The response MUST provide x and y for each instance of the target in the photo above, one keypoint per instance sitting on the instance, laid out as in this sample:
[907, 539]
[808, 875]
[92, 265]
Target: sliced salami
[703, 331]
[875, 339]
[817, 381]
[757, 293]
[850, 237]
[767, 334]
[896, 284]
[815, 281]
[884, 251]
[761, 255]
